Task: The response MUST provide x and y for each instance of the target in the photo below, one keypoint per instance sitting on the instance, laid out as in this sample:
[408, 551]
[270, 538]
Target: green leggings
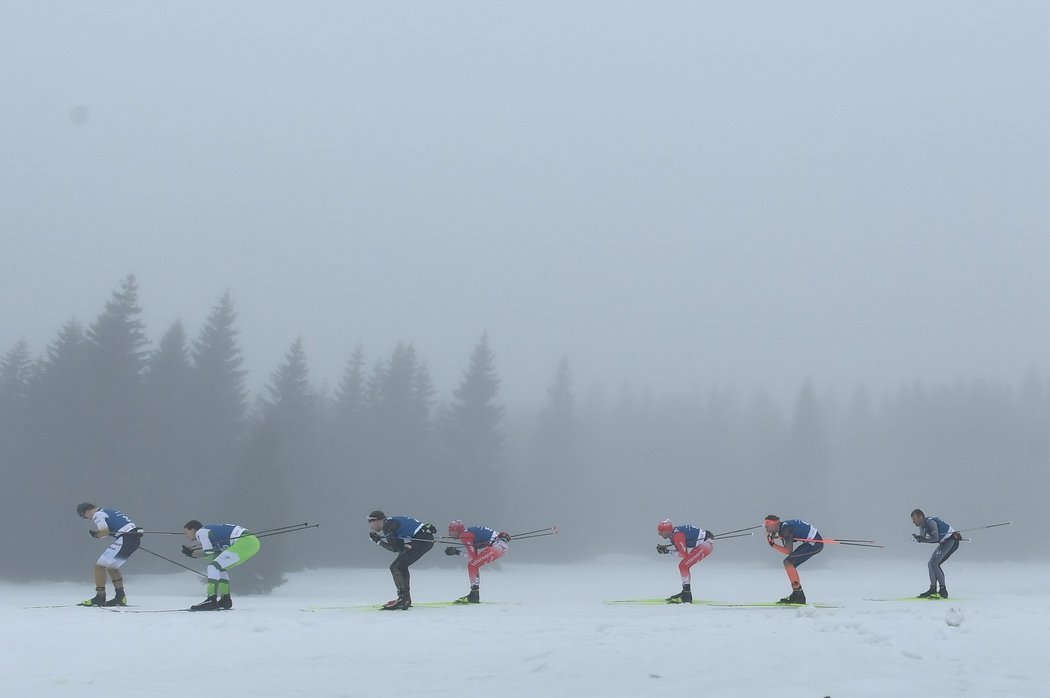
[245, 547]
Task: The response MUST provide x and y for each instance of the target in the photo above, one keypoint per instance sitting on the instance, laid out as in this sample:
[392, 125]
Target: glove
[93, 534]
[376, 537]
[452, 550]
[957, 536]
[917, 537]
[503, 536]
[771, 539]
[187, 551]
[663, 549]
[708, 535]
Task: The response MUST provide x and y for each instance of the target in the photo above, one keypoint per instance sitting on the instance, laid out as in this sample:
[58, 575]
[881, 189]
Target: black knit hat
[376, 515]
[84, 506]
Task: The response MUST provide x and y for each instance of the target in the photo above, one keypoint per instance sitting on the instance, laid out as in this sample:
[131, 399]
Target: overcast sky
[670, 194]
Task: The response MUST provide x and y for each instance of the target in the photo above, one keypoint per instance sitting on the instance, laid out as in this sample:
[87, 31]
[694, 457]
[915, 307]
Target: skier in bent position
[939, 532]
[410, 539]
[110, 522]
[224, 546]
[481, 545]
[789, 532]
[692, 544]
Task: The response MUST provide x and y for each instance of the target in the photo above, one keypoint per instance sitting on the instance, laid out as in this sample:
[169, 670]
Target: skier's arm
[679, 543]
[204, 540]
[101, 521]
[469, 541]
[392, 542]
[788, 536]
[929, 533]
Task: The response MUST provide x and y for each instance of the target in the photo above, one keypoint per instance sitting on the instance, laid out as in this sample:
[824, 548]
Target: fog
[711, 211]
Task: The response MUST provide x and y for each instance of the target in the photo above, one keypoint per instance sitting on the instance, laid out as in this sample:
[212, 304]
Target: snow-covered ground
[547, 634]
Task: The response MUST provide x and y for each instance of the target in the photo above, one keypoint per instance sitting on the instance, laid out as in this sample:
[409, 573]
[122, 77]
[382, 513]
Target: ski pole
[854, 540]
[739, 530]
[538, 530]
[838, 542]
[291, 530]
[265, 531]
[735, 535]
[179, 564]
[534, 535]
[981, 528]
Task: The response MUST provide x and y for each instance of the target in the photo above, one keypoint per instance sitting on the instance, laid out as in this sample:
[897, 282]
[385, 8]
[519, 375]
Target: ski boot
[225, 602]
[943, 593]
[929, 593]
[118, 600]
[473, 597]
[98, 600]
[208, 604]
[684, 596]
[402, 603]
[797, 597]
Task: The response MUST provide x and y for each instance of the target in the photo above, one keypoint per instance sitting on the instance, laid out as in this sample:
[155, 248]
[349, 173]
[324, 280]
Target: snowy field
[547, 632]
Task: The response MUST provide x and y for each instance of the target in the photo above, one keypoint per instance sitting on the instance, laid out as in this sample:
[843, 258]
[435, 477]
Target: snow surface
[548, 634]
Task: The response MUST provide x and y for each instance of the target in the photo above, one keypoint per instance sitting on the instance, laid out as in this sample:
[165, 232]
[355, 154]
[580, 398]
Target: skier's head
[665, 528]
[456, 528]
[191, 528]
[918, 518]
[772, 523]
[86, 508]
[376, 519]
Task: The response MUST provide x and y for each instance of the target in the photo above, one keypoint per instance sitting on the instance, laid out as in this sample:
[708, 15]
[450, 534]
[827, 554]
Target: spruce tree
[117, 357]
[168, 427]
[279, 474]
[219, 414]
[473, 442]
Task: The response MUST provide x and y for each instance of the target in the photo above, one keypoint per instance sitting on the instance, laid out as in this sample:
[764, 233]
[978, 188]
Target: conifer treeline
[169, 433]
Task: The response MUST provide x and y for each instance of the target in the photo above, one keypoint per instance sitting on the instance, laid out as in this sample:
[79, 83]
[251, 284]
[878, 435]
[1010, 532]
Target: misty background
[590, 265]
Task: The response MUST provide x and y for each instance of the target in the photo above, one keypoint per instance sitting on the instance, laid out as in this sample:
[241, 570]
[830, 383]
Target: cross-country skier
[110, 522]
[789, 532]
[225, 546]
[410, 539]
[692, 544]
[481, 545]
[939, 532]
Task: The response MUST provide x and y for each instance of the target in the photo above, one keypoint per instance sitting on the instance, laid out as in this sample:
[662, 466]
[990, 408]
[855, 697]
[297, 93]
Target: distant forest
[166, 431]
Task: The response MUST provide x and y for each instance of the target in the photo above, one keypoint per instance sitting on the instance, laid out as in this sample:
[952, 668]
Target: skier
[110, 522]
[693, 544]
[411, 540]
[224, 546]
[482, 545]
[939, 532]
[790, 531]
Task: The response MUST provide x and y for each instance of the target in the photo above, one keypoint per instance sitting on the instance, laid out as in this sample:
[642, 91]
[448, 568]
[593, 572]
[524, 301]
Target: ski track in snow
[551, 636]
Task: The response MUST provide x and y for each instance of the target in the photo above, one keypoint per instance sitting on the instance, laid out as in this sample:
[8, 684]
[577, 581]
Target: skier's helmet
[84, 506]
[456, 528]
[665, 527]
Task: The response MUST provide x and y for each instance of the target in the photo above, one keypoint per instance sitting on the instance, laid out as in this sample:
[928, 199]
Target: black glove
[917, 537]
[663, 549]
[452, 550]
[504, 536]
[708, 535]
[376, 537]
[957, 536]
[187, 551]
[771, 539]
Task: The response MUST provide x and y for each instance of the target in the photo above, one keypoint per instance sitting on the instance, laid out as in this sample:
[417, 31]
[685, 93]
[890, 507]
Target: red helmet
[665, 527]
[456, 528]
